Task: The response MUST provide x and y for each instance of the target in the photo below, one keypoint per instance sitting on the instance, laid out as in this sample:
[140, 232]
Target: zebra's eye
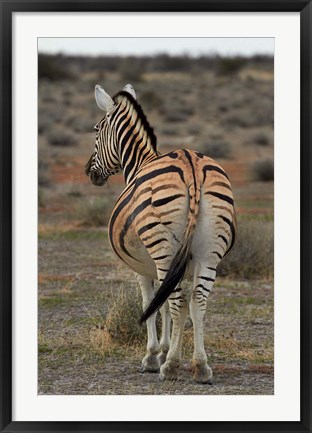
[96, 127]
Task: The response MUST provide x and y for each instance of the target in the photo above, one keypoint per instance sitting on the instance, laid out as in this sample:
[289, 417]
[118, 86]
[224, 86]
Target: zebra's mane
[141, 115]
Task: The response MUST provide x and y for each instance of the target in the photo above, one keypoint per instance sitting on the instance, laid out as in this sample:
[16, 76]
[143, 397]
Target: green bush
[94, 212]
[263, 170]
[253, 252]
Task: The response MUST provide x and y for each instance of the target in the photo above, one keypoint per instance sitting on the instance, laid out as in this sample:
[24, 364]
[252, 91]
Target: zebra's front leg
[203, 284]
[149, 362]
[178, 310]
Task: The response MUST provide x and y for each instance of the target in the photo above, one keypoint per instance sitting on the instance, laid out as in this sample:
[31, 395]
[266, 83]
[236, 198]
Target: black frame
[8, 7]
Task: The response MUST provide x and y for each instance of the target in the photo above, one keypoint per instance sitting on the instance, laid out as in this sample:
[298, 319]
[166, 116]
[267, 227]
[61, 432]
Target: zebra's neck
[135, 137]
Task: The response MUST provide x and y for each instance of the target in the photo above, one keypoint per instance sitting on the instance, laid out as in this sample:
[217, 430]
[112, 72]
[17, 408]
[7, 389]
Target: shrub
[263, 170]
[253, 251]
[94, 212]
[216, 149]
[62, 137]
[52, 68]
[261, 138]
[230, 65]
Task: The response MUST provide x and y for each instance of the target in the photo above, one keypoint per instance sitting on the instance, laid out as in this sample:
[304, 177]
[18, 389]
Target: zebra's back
[182, 190]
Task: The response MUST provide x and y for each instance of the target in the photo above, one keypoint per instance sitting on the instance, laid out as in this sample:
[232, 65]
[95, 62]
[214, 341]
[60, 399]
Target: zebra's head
[105, 161]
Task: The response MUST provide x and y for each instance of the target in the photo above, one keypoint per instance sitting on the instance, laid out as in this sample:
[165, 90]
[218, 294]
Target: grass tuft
[122, 320]
[253, 253]
[94, 212]
[121, 325]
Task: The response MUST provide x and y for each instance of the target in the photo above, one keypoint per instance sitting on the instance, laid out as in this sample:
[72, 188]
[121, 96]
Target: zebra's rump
[177, 190]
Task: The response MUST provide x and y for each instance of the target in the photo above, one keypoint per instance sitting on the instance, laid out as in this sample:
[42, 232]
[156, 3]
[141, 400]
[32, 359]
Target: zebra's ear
[129, 88]
[103, 100]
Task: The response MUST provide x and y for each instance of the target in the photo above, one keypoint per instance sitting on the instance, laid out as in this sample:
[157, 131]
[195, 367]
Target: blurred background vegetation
[221, 106]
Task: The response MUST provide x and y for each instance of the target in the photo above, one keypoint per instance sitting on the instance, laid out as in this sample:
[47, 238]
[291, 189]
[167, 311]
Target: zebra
[175, 219]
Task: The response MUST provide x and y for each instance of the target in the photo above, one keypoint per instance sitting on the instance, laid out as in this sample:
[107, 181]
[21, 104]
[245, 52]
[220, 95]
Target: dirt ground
[74, 300]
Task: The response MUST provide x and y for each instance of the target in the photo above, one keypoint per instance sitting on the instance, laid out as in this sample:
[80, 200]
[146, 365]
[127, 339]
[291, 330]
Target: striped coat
[175, 219]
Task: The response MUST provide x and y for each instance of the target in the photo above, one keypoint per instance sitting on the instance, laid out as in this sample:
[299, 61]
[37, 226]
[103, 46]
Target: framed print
[155, 217]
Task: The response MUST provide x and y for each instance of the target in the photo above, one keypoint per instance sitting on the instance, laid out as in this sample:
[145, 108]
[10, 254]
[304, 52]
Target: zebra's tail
[179, 262]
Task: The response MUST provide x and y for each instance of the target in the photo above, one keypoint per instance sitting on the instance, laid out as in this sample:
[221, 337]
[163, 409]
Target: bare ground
[75, 298]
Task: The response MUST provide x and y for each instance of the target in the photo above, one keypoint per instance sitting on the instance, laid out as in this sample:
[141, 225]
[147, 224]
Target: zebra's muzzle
[97, 179]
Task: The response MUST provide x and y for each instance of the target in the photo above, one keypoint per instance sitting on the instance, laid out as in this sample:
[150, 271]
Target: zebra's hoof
[150, 364]
[162, 358]
[169, 371]
[203, 374]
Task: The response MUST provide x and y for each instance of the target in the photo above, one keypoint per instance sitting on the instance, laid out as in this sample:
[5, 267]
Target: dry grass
[122, 320]
[253, 253]
[94, 211]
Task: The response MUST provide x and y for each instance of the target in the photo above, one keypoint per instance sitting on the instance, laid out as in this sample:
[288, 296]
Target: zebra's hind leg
[203, 282]
[165, 333]
[149, 362]
[178, 310]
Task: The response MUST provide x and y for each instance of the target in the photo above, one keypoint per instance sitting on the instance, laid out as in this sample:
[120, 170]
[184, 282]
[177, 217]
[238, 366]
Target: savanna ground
[89, 341]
